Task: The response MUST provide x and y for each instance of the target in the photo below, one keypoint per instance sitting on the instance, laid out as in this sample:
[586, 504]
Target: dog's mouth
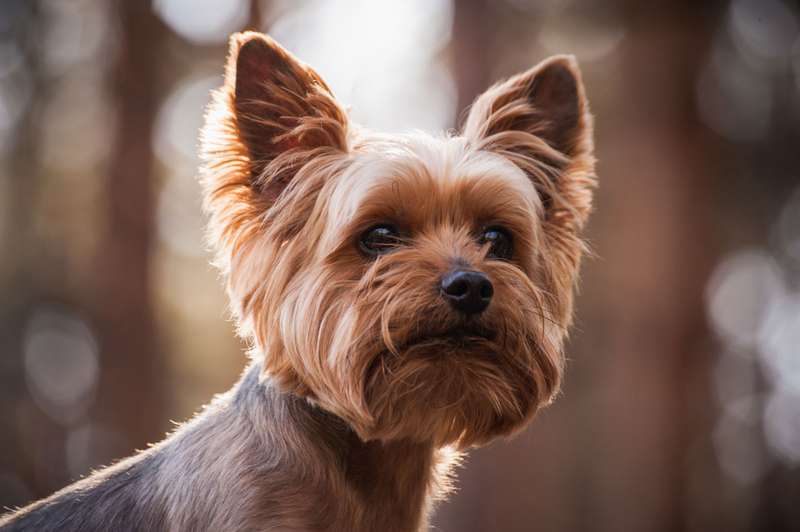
[462, 335]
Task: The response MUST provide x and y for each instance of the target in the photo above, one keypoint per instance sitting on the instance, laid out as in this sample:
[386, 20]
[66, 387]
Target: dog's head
[416, 286]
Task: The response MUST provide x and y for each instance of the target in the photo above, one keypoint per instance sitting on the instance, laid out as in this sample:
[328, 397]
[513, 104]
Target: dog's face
[418, 287]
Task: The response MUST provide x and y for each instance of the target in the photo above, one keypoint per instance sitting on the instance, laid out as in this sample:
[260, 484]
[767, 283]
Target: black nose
[467, 292]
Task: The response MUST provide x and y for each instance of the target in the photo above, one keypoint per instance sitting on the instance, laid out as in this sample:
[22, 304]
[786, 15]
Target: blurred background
[681, 410]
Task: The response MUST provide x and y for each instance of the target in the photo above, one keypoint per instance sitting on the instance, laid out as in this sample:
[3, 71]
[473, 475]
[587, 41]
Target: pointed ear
[540, 120]
[282, 109]
[272, 119]
[547, 101]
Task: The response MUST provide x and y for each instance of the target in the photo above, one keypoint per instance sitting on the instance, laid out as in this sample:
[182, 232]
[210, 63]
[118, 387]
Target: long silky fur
[362, 394]
[349, 334]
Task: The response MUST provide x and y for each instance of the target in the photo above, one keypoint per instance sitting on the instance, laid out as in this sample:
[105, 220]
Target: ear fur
[547, 101]
[540, 119]
[272, 111]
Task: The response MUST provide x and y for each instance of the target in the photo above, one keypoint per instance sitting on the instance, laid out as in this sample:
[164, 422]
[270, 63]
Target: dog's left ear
[540, 120]
[280, 103]
[273, 114]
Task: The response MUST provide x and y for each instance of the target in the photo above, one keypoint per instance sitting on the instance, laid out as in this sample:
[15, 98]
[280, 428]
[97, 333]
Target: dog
[406, 297]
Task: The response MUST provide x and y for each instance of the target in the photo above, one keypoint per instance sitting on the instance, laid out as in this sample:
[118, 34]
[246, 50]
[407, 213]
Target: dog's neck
[255, 459]
[290, 442]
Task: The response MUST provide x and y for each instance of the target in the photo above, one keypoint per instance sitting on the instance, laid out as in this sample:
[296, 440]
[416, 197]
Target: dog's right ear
[272, 113]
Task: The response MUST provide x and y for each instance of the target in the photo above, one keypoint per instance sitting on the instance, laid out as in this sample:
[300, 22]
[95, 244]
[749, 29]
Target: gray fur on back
[254, 459]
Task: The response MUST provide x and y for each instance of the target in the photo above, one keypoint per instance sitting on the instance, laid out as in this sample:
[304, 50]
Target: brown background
[681, 409]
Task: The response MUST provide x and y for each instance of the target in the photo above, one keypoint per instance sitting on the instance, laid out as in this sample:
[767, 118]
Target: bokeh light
[787, 228]
[779, 344]
[179, 120]
[782, 424]
[61, 364]
[203, 21]
[77, 31]
[739, 293]
[767, 29]
[568, 28]
[179, 215]
[15, 93]
[396, 82]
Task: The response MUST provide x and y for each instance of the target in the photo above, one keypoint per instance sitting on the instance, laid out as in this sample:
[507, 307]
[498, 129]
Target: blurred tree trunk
[131, 395]
[255, 12]
[651, 391]
[472, 46]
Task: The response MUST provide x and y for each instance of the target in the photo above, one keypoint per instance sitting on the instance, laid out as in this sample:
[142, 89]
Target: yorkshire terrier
[406, 297]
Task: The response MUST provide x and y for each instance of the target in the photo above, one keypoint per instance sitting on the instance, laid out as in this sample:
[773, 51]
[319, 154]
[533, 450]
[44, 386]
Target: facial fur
[291, 186]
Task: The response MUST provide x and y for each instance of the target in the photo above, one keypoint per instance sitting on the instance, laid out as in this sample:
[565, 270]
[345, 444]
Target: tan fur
[368, 341]
[365, 387]
[329, 323]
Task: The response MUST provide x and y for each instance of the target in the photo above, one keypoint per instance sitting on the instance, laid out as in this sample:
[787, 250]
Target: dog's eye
[500, 244]
[379, 239]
